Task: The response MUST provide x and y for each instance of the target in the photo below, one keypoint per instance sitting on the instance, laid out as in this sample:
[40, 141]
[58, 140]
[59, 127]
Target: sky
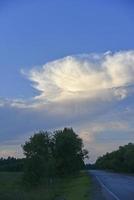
[67, 64]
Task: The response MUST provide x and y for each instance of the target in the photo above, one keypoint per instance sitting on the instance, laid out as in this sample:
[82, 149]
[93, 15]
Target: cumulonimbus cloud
[82, 92]
[87, 75]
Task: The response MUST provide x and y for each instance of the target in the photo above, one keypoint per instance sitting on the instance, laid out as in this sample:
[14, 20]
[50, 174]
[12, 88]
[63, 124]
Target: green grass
[76, 188]
[70, 188]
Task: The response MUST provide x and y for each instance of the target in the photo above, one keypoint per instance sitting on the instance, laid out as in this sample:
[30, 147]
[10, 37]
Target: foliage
[68, 152]
[89, 166]
[50, 154]
[11, 164]
[121, 160]
[38, 157]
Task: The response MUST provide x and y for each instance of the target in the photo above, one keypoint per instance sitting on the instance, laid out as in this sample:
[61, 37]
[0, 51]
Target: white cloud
[92, 93]
[87, 76]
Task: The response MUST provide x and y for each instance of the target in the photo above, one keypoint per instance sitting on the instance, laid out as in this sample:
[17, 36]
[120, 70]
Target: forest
[121, 160]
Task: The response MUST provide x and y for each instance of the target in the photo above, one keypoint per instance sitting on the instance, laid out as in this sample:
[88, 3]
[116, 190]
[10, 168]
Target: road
[114, 186]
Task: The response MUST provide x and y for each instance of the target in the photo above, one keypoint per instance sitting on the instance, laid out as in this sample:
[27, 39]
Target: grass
[76, 188]
[70, 188]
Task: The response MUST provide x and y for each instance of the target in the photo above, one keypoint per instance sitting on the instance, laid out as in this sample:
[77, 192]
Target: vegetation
[50, 155]
[121, 160]
[11, 164]
[68, 152]
[51, 169]
[38, 157]
[68, 188]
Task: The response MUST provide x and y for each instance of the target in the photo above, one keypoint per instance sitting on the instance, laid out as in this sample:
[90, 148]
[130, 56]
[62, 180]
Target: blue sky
[35, 32]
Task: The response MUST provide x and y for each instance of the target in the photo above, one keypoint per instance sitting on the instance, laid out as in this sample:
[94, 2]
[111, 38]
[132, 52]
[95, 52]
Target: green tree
[68, 151]
[120, 160]
[38, 157]
[48, 155]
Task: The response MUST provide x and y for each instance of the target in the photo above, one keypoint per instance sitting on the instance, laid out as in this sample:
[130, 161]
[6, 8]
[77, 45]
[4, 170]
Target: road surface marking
[107, 188]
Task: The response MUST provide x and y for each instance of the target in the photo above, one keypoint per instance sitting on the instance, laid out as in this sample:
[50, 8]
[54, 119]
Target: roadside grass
[75, 187]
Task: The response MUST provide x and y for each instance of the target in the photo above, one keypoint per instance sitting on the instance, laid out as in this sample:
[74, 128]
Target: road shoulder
[97, 193]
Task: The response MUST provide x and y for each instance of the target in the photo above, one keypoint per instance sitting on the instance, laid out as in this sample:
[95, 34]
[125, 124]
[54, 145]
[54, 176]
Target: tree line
[61, 153]
[121, 160]
[11, 164]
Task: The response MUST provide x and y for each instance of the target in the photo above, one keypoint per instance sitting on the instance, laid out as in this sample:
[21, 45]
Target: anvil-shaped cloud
[91, 92]
[87, 76]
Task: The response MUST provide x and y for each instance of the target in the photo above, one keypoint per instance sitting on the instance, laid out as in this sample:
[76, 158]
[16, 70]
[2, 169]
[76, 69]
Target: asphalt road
[114, 186]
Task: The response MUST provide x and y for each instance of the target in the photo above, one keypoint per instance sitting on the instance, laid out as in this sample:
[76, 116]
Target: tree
[48, 155]
[120, 160]
[38, 157]
[11, 164]
[68, 151]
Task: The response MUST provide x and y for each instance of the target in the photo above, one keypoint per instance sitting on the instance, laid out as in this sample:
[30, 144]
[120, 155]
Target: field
[70, 188]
